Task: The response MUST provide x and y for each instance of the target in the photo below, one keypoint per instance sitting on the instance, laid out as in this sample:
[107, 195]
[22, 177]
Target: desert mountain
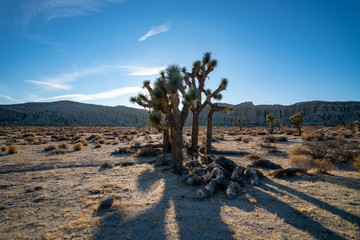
[74, 113]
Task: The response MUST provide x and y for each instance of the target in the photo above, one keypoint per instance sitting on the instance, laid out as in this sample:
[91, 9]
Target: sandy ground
[46, 196]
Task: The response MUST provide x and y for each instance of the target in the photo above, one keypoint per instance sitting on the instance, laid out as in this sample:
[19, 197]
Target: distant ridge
[69, 113]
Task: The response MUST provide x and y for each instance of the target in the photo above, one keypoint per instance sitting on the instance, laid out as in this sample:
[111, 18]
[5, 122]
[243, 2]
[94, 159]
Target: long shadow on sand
[193, 219]
[189, 218]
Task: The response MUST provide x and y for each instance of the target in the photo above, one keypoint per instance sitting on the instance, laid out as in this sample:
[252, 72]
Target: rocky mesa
[73, 113]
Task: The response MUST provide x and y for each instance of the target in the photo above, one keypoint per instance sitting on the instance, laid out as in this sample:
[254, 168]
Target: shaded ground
[57, 196]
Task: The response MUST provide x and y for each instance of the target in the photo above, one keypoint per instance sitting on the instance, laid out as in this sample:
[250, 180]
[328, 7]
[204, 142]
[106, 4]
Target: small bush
[13, 149]
[319, 150]
[78, 146]
[323, 166]
[297, 150]
[49, 148]
[302, 161]
[247, 140]
[356, 162]
[63, 146]
[4, 148]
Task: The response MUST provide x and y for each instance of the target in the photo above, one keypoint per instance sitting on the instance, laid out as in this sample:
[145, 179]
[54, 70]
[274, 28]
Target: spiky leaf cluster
[173, 78]
[297, 118]
[154, 118]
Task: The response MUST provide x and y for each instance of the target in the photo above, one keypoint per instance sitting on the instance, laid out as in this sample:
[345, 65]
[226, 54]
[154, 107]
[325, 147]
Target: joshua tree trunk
[195, 131]
[209, 131]
[166, 141]
[176, 148]
[299, 129]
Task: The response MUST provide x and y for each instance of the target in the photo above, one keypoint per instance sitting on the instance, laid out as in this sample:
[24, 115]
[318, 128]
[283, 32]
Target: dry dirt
[47, 196]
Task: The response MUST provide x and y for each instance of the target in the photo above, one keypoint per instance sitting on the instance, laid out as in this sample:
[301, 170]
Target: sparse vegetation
[12, 149]
[78, 146]
[297, 120]
[270, 123]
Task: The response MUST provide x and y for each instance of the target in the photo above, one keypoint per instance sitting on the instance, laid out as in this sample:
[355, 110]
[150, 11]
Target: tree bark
[195, 132]
[176, 147]
[166, 141]
[209, 130]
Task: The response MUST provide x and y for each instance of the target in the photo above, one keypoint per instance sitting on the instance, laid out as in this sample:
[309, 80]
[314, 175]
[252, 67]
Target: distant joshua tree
[270, 123]
[240, 123]
[278, 123]
[297, 120]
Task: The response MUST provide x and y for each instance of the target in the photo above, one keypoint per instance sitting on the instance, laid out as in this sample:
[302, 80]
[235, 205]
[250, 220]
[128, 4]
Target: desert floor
[57, 196]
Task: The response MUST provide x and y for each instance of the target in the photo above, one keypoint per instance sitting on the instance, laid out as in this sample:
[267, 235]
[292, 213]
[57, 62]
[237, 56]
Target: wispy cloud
[50, 9]
[141, 71]
[9, 98]
[63, 81]
[96, 96]
[156, 30]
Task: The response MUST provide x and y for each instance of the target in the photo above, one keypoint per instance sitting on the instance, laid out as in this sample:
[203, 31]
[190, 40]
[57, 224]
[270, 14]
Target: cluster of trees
[297, 120]
[177, 87]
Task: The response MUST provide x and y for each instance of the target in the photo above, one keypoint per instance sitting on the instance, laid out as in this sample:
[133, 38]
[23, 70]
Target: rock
[163, 160]
[106, 166]
[263, 163]
[289, 172]
[106, 203]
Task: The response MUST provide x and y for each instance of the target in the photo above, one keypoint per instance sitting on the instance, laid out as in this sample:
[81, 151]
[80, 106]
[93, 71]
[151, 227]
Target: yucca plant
[164, 105]
[214, 108]
[195, 80]
[297, 120]
[270, 123]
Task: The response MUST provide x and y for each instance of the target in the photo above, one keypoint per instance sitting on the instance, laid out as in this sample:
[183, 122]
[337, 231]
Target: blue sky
[100, 51]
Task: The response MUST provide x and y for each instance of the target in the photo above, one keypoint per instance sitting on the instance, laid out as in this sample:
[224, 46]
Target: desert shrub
[137, 144]
[239, 138]
[97, 146]
[100, 141]
[315, 136]
[319, 149]
[247, 140]
[63, 146]
[253, 156]
[323, 165]
[269, 147]
[147, 137]
[297, 150]
[302, 161]
[13, 149]
[4, 148]
[11, 141]
[30, 134]
[59, 151]
[49, 148]
[78, 146]
[37, 141]
[356, 162]
[272, 139]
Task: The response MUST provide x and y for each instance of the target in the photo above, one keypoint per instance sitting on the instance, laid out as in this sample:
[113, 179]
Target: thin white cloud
[51, 84]
[155, 30]
[96, 96]
[141, 71]
[48, 10]
[62, 81]
[9, 98]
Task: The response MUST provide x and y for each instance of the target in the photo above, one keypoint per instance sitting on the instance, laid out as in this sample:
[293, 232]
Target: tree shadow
[176, 215]
[321, 204]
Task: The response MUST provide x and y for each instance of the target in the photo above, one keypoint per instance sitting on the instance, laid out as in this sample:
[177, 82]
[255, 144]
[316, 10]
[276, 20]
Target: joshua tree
[214, 108]
[196, 80]
[278, 123]
[297, 120]
[270, 123]
[147, 103]
[240, 123]
[165, 101]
